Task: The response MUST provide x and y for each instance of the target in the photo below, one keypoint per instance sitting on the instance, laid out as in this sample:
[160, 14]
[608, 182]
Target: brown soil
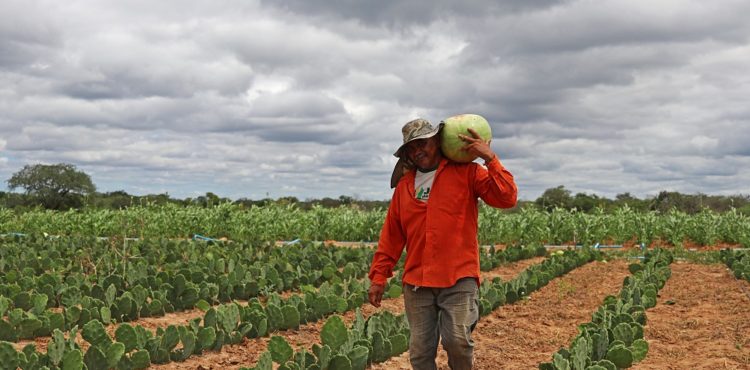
[706, 327]
[521, 335]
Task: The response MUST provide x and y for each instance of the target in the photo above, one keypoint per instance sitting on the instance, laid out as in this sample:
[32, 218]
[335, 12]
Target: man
[433, 212]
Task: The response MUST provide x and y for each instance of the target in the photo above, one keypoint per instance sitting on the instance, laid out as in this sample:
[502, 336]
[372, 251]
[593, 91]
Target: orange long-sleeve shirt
[440, 235]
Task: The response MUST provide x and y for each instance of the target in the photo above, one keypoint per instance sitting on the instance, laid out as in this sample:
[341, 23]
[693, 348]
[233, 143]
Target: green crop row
[134, 347]
[287, 222]
[380, 337]
[738, 261]
[146, 288]
[491, 258]
[613, 339]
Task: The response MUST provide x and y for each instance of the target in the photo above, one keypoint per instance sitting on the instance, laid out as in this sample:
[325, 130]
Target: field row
[278, 222]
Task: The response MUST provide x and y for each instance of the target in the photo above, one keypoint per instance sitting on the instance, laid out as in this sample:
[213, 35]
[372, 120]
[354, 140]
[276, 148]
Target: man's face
[424, 153]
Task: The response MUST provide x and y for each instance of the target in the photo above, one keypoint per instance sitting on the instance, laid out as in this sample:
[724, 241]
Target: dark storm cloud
[405, 13]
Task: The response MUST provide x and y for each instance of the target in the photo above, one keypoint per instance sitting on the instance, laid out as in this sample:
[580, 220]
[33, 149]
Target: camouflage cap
[416, 129]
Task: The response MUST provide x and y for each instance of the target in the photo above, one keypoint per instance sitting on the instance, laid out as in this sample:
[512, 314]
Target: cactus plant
[639, 349]
[599, 344]
[323, 353]
[280, 350]
[188, 339]
[27, 327]
[624, 333]
[94, 333]
[206, 339]
[7, 333]
[95, 359]
[229, 317]
[358, 357]
[620, 356]
[170, 338]
[560, 362]
[381, 347]
[264, 363]
[73, 360]
[340, 362]
[140, 359]
[275, 317]
[114, 353]
[580, 353]
[56, 347]
[291, 317]
[8, 355]
[334, 333]
[127, 335]
[606, 364]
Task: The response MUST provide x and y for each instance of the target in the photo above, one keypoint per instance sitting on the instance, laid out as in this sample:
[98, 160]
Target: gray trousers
[449, 314]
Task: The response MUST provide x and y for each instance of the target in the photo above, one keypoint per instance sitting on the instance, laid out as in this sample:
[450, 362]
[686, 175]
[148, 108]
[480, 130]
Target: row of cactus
[490, 258]
[115, 299]
[613, 339]
[61, 353]
[380, 337]
[269, 268]
[738, 261]
[495, 293]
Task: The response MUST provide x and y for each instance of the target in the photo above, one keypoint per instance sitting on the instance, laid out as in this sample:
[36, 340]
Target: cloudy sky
[306, 98]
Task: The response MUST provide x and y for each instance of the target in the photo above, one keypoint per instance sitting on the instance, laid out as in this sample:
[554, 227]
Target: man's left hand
[475, 145]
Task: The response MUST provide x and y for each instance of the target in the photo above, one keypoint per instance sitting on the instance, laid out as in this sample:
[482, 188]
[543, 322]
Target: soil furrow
[701, 321]
[521, 335]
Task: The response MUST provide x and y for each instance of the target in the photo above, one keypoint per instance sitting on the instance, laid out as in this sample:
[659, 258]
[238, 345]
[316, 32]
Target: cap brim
[397, 153]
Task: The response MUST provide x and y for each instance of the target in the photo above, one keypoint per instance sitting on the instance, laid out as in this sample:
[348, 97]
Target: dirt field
[701, 321]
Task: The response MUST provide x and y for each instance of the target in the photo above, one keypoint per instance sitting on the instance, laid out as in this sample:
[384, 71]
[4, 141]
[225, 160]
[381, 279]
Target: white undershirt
[423, 184]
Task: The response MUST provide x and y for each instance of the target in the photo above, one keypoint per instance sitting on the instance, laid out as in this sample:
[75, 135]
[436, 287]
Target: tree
[56, 186]
[555, 197]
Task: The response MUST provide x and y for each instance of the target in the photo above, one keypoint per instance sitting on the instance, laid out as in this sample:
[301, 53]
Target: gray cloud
[307, 98]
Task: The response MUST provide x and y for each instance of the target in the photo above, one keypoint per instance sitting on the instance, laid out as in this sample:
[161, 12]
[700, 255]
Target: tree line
[62, 187]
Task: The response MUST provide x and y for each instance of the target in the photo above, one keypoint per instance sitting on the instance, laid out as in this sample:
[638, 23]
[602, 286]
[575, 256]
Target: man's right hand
[375, 294]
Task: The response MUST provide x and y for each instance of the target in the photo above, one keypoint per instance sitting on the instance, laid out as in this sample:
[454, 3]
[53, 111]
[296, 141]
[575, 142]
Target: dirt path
[707, 327]
[248, 352]
[521, 335]
[509, 271]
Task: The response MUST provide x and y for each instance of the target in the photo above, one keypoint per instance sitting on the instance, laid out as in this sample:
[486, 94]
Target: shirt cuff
[378, 279]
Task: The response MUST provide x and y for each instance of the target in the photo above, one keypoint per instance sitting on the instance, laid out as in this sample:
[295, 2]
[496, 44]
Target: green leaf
[170, 339]
[281, 351]
[620, 356]
[206, 338]
[56, 348]
[291, 317]
[203, 305]
[114, 354]
[340, 362]
[265, 362]
[140, 359]
[95, 359]
[27, 327]
[639, 349]
[8, 355]
[334, 333]
[94, 333]
[358, 356]
[126, 335]
[560, 362]
[73, 360]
